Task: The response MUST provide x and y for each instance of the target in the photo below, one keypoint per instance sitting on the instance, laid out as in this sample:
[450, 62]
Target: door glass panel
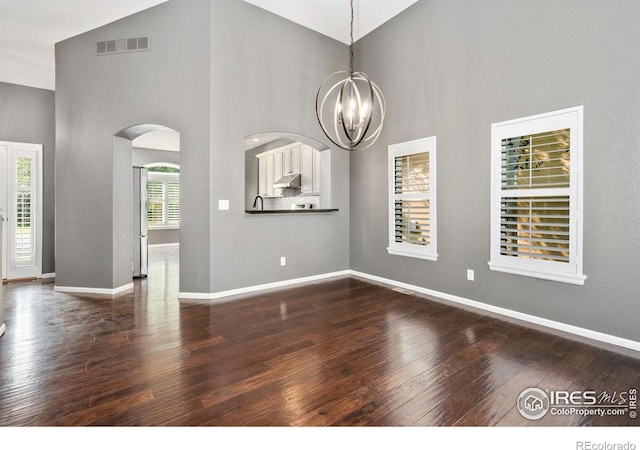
[24, 229]
[23, 171]
[24, 241]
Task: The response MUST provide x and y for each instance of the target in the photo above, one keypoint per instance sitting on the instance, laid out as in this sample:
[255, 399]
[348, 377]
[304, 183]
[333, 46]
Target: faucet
[255, 202]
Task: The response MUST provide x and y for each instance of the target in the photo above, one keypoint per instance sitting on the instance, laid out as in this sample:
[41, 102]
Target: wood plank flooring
[339, 352]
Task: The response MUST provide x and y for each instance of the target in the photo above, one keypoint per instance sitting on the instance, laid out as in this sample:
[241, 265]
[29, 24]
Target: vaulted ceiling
[30, 29]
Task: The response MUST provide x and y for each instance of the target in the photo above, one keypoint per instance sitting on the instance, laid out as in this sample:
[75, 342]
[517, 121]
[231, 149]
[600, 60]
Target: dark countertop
[289, 211]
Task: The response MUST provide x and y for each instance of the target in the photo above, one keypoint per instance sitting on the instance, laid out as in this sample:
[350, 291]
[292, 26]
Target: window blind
[164, 199]
[536, 196]
[412, 199]
[412, 203]
[156, 208]
[536, 227]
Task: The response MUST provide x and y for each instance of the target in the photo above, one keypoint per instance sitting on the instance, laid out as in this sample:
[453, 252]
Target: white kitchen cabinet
[262, 176]
[291, 160]
[306, 169]
[317, 173]
[277, 172]
[269, 176]
[267, 166]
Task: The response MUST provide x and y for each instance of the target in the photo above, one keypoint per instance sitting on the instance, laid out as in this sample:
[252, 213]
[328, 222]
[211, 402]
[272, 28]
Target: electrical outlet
[283, 261]
[470, 275]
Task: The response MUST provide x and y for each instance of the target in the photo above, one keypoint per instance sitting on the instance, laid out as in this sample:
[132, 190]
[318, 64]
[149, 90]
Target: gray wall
[144, 156]
[264, 82]
[122, 207]
[28, 115]
[464, 65]
[161, 237]
[267, 81]
[96, 97]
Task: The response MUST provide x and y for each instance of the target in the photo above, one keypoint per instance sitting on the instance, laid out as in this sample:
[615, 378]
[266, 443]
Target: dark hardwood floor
[339, 352]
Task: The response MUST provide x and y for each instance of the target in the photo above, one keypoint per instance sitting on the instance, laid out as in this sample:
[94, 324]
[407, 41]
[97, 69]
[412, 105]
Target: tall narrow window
[24, 239]
[536, 200]
[412, 199]
[163, 188]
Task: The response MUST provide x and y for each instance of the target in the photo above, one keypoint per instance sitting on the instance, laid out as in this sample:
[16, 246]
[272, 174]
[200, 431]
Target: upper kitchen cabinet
[267, 176]
[307, 170]
[294, 166]
[291, 159]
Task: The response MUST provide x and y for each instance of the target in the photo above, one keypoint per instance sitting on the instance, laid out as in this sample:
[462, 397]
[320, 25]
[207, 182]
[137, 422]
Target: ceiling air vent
[131, 44]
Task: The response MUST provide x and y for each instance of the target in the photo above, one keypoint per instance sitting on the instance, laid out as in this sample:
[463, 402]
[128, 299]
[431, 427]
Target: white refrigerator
[140, 228]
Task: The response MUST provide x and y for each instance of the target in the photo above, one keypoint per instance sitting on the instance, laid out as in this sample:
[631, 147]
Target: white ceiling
[30, 28]
[332, 17]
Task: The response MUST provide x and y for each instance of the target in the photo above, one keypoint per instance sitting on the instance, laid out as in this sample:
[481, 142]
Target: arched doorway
[143, 146]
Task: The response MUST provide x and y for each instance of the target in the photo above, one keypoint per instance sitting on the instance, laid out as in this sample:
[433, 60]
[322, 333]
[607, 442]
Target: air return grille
[131, 44]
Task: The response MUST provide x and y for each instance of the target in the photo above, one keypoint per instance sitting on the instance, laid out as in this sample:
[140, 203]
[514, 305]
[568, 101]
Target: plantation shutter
[536, 196]
[535, 208]
[24, 227]
[156, 211]
[173, 202]
[412, 197]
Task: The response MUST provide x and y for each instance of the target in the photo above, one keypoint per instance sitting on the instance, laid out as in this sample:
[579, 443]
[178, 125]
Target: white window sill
[164, 227]
[412, 254]
[571, 278]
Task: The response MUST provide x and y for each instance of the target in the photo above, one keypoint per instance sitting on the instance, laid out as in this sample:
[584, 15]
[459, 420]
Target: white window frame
[424, 145]
[567, 272]
[165, 177]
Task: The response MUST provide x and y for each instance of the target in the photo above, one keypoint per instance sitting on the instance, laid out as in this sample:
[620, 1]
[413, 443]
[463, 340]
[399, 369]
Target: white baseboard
[3, 328]
[98, 291]
[48, 276]
[584, 332]
[224, 294]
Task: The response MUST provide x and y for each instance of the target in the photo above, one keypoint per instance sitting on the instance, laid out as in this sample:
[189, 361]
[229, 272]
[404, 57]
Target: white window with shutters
[536, 196]
[412, 199]
[164, 200]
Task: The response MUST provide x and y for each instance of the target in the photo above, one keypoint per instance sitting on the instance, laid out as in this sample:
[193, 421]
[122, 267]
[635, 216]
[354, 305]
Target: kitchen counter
[289, 211]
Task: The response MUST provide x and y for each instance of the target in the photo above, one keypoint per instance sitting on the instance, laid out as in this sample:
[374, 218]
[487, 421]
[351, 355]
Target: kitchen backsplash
[287, 202]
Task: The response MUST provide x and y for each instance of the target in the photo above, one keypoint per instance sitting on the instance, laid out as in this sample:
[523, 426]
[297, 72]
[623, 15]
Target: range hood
[288, 182]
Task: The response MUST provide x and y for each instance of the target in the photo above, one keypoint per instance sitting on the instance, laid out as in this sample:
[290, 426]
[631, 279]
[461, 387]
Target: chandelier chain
[351, 45]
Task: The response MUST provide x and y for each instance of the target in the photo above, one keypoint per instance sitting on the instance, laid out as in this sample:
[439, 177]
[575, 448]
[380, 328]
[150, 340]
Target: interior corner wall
[27, 115]
[98, 96]
[265, 74]
[451, 68]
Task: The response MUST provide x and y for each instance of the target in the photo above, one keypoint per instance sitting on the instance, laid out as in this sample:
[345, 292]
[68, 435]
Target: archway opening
[147, 210]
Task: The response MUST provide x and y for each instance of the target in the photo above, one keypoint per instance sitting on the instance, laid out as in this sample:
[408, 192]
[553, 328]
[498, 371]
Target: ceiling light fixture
[350, 107]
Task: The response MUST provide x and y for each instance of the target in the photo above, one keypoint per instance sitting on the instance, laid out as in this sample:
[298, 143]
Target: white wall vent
[123, 45]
